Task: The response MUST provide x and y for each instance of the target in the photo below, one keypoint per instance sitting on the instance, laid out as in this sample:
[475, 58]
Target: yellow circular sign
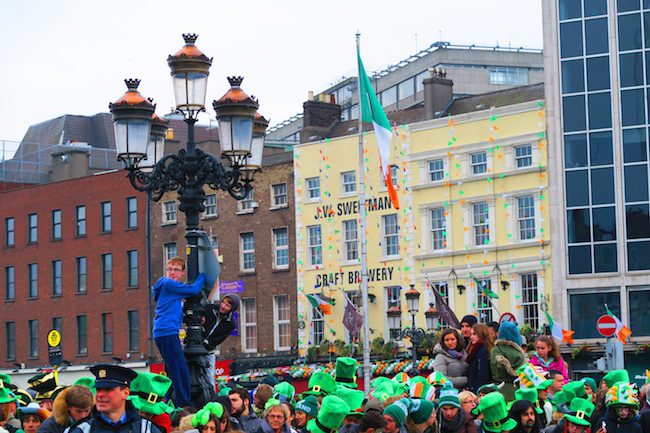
[53, 338]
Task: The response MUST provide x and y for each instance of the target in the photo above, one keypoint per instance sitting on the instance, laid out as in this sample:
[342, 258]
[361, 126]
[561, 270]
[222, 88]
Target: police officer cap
[110, 376]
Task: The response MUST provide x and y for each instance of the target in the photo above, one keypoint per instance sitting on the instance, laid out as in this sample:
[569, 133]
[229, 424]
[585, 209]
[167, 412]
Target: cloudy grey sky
[70, 56]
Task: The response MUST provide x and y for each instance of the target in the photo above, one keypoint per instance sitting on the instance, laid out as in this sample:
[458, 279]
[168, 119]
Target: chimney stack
[318, 117]
[438, 91]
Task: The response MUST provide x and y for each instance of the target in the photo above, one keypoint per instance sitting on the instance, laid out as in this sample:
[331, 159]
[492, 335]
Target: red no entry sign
[606, 325]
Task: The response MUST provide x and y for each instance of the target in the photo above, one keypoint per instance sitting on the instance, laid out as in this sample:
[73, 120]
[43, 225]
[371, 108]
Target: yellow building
[472, 187]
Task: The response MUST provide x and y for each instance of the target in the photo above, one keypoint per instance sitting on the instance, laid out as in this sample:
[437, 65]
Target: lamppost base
[202, 390]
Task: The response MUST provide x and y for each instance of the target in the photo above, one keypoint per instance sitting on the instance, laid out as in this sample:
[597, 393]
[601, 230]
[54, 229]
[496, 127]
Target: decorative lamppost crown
[132, 123]
[189, 69]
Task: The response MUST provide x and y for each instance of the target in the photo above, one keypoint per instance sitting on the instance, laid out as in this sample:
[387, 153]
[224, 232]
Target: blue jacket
[479, 370]
[169, 295]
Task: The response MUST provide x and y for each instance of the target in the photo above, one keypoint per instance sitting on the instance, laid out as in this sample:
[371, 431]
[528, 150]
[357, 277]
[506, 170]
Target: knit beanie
[448, 396]
[469, 319]
[591, 383]
[420, 410]
[509, 331]
[398, 410]
[234, 300]
[309, 405]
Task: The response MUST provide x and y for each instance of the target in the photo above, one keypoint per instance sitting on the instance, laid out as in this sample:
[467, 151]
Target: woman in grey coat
[450, 358]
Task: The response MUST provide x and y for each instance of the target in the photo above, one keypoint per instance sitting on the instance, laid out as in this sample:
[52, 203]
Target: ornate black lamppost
[139, 136]
[415, 334]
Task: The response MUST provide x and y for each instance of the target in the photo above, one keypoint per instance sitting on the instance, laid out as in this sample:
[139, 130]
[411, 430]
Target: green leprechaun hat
[6, 381]
[5, 394]
[582, 409]
[531, 378]
[148, 391]
[437, 379]
[422, 390]
[495, 414]
[353, 397]
[623, 393]
[402, 377]
[575, 389]
[616, 376]
[345, 372]
[320, 384]
[284, 391]
[374, 383]
[330, 417]
[88, 382]
[560, 401]
[529, 394]
[386, 390]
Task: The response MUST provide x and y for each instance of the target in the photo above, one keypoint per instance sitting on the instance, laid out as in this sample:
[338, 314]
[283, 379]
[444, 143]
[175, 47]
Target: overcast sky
[71, 56]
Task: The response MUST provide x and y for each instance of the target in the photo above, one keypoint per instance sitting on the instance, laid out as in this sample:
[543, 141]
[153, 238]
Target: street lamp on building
[139, 137]
[414, 334]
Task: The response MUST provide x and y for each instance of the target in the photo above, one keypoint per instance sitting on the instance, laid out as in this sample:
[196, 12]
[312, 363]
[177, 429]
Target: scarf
[473, 351]
[454, 353]
[544, 363]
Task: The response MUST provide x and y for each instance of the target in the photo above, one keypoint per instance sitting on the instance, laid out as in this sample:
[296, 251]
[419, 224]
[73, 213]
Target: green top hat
[148, 391]
[5, 394]
[353, 397]
[559, 399]
[224, 391]
[346, 372]
[583, 410]
[309, 405]
[330, 417]
[421, 390]
[377, 381]
[495, 414]
[320, 384]
[529, 394]
[286, 390]
[5, 379]
[437, 379]
[88, 382]
[386, 390]
[575, 389]
[616, 376]
[531, 378]
[402, 378]
[623, 393]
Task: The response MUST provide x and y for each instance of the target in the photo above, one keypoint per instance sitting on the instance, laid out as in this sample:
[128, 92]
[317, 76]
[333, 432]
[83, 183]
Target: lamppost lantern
[156, 146]
[254, 162]
[431, 317]
[132, 124]
[190, 69]
[412, 299]
[236, 113]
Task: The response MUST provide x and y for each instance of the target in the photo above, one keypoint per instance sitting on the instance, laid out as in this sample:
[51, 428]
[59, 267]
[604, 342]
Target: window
[249, 325]
[32, 234]
[210, 204]
[350, 240]
[524, 156]
[81, 220]
[391, 235]
[438, 229]
[171, 250]
[133, 317]
[436, 170]
[56, 278]
[169, 212]
[481, 224]
[443, 289]
[56, 224]
[317, 326]
[479, 163]
[406, 88]
[10, 283]
[82, 335]
[9, 232]
[132, 266]
[106, 216]
[247, 252]
[32, 327]
[81, 275]
[530, 300]
[394, 172]
[282, 322]
[281, 248]
[247, 204]
[32, 271]
[483, 301]
[586, 307]
[349, 182]
[389, 96]
[10, 332]
[107, 271]
[639, 305]
[57, 323]
[313, 188]
[107, 332]
[279, 195]
[393, 298]
[315, 245]
[131, 212]
[508, 76]
[526, 217]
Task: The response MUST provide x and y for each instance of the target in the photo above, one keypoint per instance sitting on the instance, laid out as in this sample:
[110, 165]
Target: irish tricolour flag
[622, 331]
[557, 332]
[372, 111]
[317, 302]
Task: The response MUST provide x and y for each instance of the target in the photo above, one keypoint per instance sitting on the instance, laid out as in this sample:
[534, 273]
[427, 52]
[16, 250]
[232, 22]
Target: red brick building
[74, 258]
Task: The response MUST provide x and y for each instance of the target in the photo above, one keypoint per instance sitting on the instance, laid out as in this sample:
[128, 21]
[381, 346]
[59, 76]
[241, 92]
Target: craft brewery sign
[353, 277]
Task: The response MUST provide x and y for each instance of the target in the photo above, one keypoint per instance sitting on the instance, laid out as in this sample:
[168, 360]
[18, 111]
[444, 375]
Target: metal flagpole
[364, 250]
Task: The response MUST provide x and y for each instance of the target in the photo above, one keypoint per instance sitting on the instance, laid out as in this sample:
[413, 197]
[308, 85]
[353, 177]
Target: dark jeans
[176, 368]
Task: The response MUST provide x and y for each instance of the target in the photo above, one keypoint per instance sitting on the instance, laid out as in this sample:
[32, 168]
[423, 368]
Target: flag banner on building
[352, 319]
[485, 289]
[317, 301]
[557, 332]
[622, 331]
[445, 313]
[372, 111]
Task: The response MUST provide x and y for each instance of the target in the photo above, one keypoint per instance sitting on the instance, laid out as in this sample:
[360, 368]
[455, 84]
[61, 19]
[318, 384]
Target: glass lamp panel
[154, 152]
[190, 89]
[242, 132]
[132, 136]
[257, 149]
